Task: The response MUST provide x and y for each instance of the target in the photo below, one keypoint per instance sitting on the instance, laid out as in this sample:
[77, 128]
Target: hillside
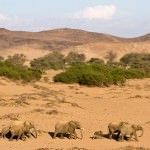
[41, 43]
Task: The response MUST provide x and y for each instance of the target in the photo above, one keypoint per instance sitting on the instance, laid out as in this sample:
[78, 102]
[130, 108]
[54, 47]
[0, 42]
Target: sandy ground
[46, 102]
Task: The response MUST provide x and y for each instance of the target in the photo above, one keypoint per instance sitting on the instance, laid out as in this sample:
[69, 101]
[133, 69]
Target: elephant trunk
[142, 132]
[81, 131]
[35, 131]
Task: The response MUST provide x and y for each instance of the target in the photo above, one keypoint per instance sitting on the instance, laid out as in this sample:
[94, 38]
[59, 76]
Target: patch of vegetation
[139, 61]
[96, 61]
[17, 59]
[97, 75]
[110, 57]
[74, 58]
[18, 72]
[54, 60]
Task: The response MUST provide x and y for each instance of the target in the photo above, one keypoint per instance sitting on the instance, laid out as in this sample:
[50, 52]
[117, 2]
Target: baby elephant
[68, 127]
[130, 129]
[98, 135]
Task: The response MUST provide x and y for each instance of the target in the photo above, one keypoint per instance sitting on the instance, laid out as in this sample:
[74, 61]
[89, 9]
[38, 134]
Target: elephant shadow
[105, 135]
[7, 135]
[115, 137]
[51, 134]
[100, 137]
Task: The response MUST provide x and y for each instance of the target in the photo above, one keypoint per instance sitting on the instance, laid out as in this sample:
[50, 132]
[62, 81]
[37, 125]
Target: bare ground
[46, 102]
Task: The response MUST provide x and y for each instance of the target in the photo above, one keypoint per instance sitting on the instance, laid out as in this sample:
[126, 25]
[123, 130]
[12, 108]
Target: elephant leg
[28, 135]
[75, 134]
[118, 135]
[130, 136]
[122, 137]
[70, 136]
[11, 138]
[110, 133]
[61, 136]
[23, 137]
[55, 135]
[136, 138]
[19, 136]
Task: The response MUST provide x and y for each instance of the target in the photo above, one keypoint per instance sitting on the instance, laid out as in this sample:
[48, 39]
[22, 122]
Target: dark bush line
[98, 75]
[140, 61]
[18, 72]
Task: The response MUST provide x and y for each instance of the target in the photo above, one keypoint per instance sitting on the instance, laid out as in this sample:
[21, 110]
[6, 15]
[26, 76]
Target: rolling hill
[36, 44]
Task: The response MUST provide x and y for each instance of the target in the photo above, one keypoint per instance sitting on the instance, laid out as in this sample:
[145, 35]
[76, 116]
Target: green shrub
[96, 61]
[128, 73]
[17, 59]
[110, 57]
[97, 75]
[140, 61]
[54, 60]
[18, 72]
[74, 58]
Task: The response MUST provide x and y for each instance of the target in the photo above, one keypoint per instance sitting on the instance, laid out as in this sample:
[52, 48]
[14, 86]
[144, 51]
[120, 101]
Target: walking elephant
[68, 127]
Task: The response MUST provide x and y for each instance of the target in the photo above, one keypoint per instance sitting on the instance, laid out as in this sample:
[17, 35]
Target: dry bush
[52, 112]
[38, 110]
[132, 148]
[11, 116]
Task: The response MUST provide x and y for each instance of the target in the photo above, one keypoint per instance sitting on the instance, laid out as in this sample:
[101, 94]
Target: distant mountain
[55, 39]
[60, 39]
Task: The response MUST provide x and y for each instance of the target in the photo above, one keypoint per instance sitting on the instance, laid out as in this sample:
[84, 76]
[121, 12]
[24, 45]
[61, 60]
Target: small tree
[110, 57]
[96, 61]
[17, 59]
[54, 60]
[74, 58]
[137, 60]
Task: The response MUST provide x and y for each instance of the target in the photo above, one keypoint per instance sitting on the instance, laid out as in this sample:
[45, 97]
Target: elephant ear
[134, 126]
[139, 127]
[27, 123]
[73, 124]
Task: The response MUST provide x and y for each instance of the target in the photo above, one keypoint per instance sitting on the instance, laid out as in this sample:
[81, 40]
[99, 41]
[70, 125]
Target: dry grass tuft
[132, 148]
[11, 116]
[52, 112]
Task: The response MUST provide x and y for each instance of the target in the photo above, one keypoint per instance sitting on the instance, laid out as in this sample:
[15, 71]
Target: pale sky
[126, 18]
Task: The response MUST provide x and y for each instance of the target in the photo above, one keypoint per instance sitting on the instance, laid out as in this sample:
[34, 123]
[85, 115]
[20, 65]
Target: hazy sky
[118, 17]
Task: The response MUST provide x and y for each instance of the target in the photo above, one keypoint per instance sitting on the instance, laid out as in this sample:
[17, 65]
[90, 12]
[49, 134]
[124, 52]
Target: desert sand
[46, 102]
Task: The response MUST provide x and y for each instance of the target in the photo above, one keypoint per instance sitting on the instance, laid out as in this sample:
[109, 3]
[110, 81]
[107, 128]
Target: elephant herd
[23, 129]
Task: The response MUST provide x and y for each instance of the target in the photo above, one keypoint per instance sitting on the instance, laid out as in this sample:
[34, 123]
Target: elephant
[18, 131]
[68, 127]
[130, 129]
[97, 135]
[114, 127]
[22, 129]
[30, 128]
[5, 131]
